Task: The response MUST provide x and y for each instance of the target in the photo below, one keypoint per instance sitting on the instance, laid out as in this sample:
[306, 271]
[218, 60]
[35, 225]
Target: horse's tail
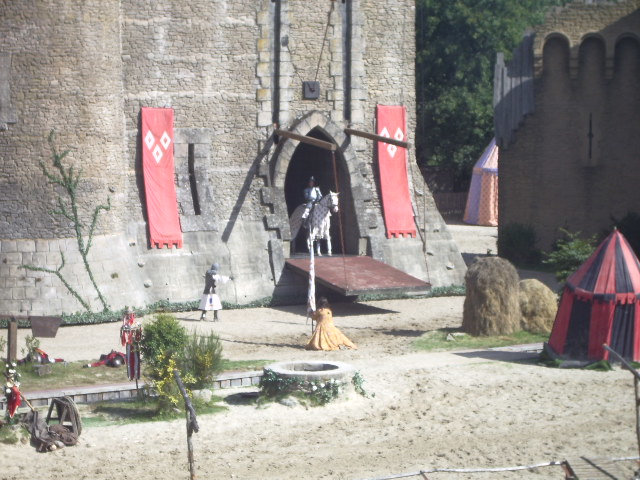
[295, 221]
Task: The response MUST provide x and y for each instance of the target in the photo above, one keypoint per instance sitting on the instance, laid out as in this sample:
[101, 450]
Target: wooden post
[12, 340]
[316, 142]
[636, 380]
[376, 138]
[192, 423]
[636, 384]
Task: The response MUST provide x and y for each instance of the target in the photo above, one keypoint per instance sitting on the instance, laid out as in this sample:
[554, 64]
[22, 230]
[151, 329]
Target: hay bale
[491, 306]
[538, 306]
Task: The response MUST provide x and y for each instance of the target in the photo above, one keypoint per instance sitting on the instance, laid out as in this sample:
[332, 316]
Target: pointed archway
[296, 162]
[308, 161]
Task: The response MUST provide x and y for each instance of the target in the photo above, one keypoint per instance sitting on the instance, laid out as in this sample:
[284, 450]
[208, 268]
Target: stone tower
[230, 70]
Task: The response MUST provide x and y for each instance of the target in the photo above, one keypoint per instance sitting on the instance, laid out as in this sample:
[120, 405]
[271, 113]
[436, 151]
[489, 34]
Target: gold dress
[326, 336]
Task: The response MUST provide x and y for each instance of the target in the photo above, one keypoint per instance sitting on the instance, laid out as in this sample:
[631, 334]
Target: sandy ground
[474, 409]
[430, 410]
[474, 241]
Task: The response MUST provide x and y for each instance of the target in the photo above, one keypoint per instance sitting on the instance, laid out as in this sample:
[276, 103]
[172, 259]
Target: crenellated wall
[573, 163]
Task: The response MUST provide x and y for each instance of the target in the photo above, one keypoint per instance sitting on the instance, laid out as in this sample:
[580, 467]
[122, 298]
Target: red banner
[392, 163]
[159, 184]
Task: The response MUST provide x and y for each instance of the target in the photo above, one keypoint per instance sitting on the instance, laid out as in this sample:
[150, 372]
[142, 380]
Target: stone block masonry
[573, 162]
[86, 70]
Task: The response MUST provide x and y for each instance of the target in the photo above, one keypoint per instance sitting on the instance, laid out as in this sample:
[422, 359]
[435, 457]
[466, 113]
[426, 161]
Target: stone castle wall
[573, 163]
[87, 70]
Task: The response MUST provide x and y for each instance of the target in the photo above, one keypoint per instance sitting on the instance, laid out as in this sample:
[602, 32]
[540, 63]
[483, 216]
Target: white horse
[319, 221]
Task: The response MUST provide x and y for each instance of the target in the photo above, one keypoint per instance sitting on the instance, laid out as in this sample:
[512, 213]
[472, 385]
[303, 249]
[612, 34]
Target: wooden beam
[305, 139]
[12, 340]
[376, 138]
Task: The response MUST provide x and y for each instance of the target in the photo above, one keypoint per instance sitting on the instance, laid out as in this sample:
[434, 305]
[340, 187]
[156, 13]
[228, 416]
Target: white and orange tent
[482, 200]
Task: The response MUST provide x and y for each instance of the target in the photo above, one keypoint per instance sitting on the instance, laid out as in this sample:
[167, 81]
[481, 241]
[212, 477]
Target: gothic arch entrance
[307, 161]
[295, 164]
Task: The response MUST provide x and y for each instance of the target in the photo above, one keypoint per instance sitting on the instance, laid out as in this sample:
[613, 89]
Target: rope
[423, 232]
[337, 185]
[553, 463]
[324, 40]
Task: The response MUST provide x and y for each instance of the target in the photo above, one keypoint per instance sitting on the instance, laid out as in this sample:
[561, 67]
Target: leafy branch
[58, 274]
[68, 178]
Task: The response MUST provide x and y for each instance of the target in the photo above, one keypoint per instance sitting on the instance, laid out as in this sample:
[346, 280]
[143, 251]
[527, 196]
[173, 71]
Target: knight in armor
[210, 299]
[312, 195]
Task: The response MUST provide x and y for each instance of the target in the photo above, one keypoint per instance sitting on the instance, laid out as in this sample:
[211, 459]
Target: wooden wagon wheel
[66, 413]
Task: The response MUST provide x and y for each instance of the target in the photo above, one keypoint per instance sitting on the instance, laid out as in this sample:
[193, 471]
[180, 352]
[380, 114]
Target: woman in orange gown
[326, 336]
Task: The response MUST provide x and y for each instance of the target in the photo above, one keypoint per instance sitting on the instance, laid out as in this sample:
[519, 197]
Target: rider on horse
[312, 195]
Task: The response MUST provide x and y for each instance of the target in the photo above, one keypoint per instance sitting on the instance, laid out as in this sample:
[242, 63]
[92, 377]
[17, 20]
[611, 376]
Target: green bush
[517, 243]
[629, 226]
[203, 358]
[162, 339]
[569, 253]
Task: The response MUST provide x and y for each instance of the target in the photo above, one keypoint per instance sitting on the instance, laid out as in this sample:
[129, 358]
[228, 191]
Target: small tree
[68, 179]
[162, 346]
[569, 253]
[203, 358]
[162, 338]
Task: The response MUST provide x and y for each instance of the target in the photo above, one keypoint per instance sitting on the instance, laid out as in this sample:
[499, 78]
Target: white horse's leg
[309, 243]
[318, 251]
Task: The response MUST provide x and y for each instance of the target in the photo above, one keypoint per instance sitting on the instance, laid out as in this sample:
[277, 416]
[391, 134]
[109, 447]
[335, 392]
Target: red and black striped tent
[600, 304]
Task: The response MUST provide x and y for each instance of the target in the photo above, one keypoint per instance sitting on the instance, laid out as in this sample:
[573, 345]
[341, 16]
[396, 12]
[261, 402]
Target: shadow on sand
[242, 398]
[503, 356]
[265, 344]
[339, 309]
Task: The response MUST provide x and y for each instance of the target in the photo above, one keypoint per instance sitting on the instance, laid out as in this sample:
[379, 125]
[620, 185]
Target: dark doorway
[308, 160]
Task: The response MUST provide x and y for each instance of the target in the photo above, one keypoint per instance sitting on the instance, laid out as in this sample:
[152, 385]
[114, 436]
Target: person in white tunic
[210, 299]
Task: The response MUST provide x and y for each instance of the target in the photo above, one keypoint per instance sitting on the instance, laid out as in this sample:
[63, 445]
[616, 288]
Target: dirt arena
[430, 410]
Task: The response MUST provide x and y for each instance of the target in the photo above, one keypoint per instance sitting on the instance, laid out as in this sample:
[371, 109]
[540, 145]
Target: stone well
[313, 370]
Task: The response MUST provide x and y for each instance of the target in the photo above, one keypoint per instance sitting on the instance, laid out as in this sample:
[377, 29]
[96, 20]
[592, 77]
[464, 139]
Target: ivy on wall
[67, 206]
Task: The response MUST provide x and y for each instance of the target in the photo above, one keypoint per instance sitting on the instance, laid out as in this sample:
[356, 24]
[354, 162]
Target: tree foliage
[457, 42]
[569, 253]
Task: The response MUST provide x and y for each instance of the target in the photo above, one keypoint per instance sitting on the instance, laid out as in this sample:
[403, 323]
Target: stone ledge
[125, 391]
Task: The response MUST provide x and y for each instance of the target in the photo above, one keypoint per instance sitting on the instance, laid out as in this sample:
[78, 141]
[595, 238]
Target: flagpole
[311, 292]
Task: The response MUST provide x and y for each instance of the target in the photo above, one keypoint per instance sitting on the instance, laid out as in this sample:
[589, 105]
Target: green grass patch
[73, 374]
[12, 434]
[437, 340]
[243, 365]
[70, 374]
[449, 291]
[121, 413]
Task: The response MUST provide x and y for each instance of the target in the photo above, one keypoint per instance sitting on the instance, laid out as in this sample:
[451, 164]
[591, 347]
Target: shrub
[517, 243]
[29, 350]
[162, 339]
[162, 346]
[164, 383]
[629, 226]
[569, 253]
[203, 358]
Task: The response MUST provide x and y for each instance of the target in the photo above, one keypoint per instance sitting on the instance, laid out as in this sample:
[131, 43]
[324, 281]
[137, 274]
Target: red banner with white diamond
[392, 164]
[159, 184]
